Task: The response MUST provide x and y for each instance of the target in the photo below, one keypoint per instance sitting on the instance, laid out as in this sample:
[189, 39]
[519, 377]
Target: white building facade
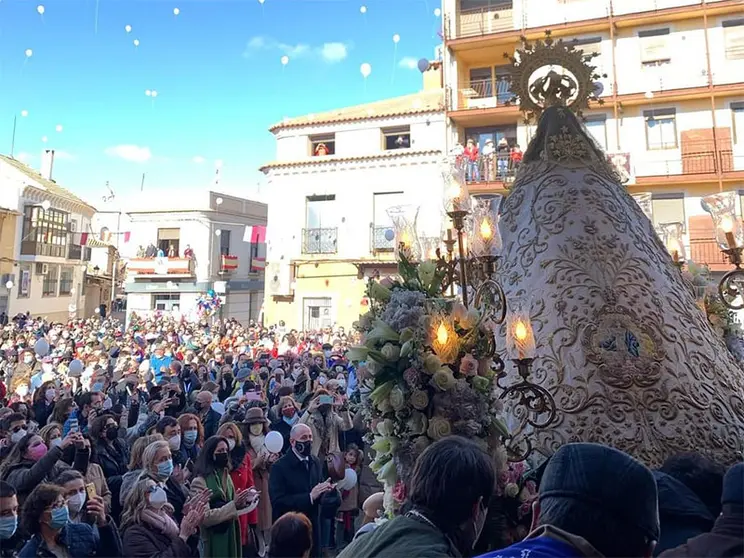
[329, 227]
[44, 264]
[209, 224]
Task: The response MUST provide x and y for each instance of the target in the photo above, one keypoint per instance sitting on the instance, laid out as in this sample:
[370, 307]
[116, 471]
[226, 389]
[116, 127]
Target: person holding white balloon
[256, 429]
[349, 487]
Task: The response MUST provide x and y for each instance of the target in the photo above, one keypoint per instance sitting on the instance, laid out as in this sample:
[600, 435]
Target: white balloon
[76, 368]
[218, 163]
[40, 9]
[148, 92]
[24, 113]
[219, 201]
[349, 481]
[41, 347]
[97, 310]
[285, 60]
[274, 442]
[218, 232]
[176, 11]
[396, 38]
[128, 28]
[45, 205]
[29, 53]
[136, 42]
[363, 9]
[261, 1]
[154, 93]
[366, 69]
[437, 12]
[44, 139]
[58, 127]
[9, 285]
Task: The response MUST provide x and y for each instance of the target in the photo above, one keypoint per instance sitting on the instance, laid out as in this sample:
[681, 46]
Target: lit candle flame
[405, 238]
[520, 331]
[674, 248]
[727, 224]
[485, 230]
[442, 334]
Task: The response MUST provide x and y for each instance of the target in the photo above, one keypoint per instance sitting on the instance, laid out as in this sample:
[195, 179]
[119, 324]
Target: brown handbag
[336, 466]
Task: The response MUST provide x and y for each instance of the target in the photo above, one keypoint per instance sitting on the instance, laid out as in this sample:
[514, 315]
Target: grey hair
[293, 432]
[148, 456]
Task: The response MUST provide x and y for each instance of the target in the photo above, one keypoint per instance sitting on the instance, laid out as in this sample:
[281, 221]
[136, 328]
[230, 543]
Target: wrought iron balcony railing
[33, 248]
[383, 239]
[320, 241]
[74, 252]
[491, 168]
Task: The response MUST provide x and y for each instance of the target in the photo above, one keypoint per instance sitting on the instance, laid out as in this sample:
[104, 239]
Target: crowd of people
[175, 439]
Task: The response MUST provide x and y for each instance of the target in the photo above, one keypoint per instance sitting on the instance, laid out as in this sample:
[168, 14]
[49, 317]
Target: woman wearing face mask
[23, 408]
[73, 483]
[135, 465]
[256, 427]
[30, 463]
[157, 462]
[326, 423]
[241, 474]
[289, 415]
[192, 438]
[112, 453]
[47, 518]
[43, 402]
[149, 528]
[220, 531]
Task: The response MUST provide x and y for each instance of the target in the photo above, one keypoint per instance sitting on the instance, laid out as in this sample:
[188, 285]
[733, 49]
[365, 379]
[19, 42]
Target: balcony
[228, 263]
[161, 267]
[476, 22]
[693, 167]
[382, 239]
[320, 241]
[490, 172]
[74, 252]
[705, 251]
[33, 248]
[483, 94]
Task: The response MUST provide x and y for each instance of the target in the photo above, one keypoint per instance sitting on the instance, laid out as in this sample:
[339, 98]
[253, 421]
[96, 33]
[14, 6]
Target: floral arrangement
[208, 303]
[426, 373]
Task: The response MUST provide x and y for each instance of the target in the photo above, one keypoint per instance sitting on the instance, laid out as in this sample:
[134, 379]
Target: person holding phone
[326, 422]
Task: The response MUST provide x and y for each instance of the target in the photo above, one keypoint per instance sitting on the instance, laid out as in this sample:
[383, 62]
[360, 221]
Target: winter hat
[733, 486]
[606, 479]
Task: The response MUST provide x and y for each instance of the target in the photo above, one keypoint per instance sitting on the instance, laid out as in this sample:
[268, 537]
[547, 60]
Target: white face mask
[256, 429]
[174, 443]
[28, 359]
[75, 502]
[51, 394]
[22, 391]
[55, 443]
[230, 444]
[107, 404]
[158, 498]
[47, 367]
[17, 436]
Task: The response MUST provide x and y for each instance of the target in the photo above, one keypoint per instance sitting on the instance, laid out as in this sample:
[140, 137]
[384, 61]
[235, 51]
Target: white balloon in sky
[148, 92]
[136, 42]
[261, 1]
[40, 9]
[154, 93]
[363, 9]
[176, 11]
[128, 28]
[437, 12]
[29, 53]
[285, 60]
[366, 69]
[24, 113]
[58, 127]
[396, 38]
[218, 163]
[43, 139]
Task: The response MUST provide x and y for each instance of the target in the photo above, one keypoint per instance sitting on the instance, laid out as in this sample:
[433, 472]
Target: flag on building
[256, 235]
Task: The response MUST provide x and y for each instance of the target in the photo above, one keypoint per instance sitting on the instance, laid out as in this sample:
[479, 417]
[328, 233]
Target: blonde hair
[135, 458]
[148, 456]
[46, 432]
[235, 430]
[137, 502]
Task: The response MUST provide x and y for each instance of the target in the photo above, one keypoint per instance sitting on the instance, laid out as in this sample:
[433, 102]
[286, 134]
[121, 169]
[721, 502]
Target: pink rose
[399, 492]
[468, 365]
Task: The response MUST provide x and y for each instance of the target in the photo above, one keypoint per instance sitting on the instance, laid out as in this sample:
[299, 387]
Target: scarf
[257, 443]
[219, 543]
[160, 521]
[291, 421]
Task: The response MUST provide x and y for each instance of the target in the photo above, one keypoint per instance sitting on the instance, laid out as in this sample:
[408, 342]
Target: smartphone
[326, 400]
[74, 427]
[90, 489]
[189, 465]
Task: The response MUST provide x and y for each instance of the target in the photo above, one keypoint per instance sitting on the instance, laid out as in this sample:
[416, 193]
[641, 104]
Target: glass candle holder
[404, 219]
[429, 245]
[520, 339]
[722, 208]
[483, 232]
[671, 236]
[455, 194]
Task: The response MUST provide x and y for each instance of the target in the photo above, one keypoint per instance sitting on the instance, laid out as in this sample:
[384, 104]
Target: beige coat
[336, 422]
[261, 468]
[95, 475]
[213, 516]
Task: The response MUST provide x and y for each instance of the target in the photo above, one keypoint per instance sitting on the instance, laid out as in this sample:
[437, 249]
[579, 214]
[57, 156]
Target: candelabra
[730, 238]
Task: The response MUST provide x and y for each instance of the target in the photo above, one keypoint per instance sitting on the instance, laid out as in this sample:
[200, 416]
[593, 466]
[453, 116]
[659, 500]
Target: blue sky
[216, 67]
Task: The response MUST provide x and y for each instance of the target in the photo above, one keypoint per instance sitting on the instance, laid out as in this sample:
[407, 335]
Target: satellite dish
[598, 88]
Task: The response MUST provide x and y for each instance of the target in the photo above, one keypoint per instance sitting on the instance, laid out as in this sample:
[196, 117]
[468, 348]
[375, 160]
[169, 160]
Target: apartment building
[335, 176]
[176, 248]
[44, 242]
[673, 114]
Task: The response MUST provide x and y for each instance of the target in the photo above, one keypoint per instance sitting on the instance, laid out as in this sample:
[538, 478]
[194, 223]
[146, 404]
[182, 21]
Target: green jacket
[402, 536]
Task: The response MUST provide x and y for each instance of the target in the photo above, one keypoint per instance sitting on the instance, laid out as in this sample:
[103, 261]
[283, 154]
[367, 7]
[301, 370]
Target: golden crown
[536, 85]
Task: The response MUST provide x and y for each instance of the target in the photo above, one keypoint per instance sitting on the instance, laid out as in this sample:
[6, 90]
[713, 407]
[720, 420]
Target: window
[469, 5]
[65, 280]
[597, 126]
[168, 238]
[733, 38]
[495, 133]
[225, 243]
[323, 145]
[50, 281]
[383, 235]
[396, 138]
[654, 47]
[44, 232]
[668, 208]
[317, 313]
[166, 302]
[24, 281]
[737, 118]
[661, 128]
[589, 45]
[481, 82]
[321, 212]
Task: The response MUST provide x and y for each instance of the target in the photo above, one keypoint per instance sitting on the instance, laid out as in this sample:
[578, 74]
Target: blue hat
[733, 486]
[243, 373]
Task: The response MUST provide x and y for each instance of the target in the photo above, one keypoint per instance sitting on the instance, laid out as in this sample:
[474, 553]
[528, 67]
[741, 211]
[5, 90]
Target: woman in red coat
[241, 473]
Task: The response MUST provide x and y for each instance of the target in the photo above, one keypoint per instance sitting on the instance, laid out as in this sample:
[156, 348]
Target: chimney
[47, 163]
[433, 76]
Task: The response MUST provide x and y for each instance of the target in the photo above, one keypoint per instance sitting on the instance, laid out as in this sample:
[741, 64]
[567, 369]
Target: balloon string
[96, 21]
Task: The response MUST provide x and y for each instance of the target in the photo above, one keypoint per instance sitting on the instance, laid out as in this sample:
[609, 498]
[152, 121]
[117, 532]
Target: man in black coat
[296, 482]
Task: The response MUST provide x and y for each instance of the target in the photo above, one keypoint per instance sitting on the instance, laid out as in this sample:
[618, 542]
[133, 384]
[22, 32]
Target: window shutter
[654, 45]
[733, 32]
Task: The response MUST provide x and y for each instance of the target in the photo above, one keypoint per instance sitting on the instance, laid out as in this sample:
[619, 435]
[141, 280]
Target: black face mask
[198, 406]
[220, 460]
[112, 432]
[304, 448]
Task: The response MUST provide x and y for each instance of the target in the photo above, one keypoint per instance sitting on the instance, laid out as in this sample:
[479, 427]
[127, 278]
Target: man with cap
[727, 536]
[593, 500]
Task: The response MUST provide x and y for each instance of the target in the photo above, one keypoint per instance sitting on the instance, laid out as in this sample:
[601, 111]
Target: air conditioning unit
[42, 269]
[277, 279]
